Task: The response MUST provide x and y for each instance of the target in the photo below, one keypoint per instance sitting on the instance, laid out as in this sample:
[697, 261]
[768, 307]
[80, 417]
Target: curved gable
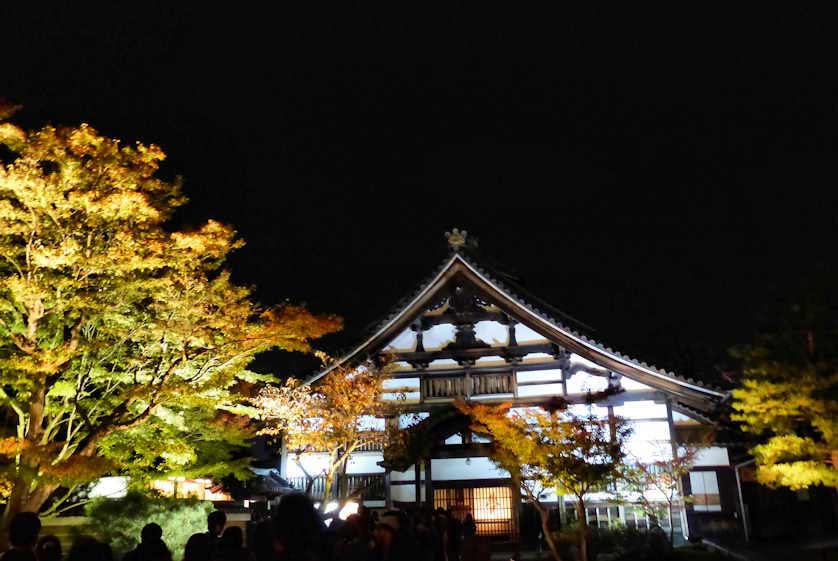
[426, 311]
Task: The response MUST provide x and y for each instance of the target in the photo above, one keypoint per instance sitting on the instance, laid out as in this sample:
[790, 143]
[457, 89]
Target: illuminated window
[604, 516]
[705, 491]
[491, 507]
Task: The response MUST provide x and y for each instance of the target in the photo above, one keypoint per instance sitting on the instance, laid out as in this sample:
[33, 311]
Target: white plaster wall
[712, 456]
[401, 384]
[492, 332]
[541, 389]
[410, 419]
[404, 341]
[314, 463]
[524, 334]
[369, 422]
[457, 468]
[407, 475]
[641, 410]
[403, 493]
[404, 397]
[537, 357]
[456, 438]
[551, 375]
[649, 441]
[584, 409]
[582, 361]
[365, 462]
[582, 382]
[438, 336]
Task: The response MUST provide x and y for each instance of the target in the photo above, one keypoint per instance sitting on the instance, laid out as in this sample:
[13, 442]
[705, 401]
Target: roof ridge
[589, 340]
[466, 255]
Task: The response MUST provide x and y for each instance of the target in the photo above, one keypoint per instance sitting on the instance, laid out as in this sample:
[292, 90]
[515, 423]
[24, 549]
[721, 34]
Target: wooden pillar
[671, 424]
[429, 483]
[283, 461]
[388, 495]
[511, 341]
[417, 470]
[391, 423]
[685, 527]
[420, 344]
[562, 511]
[515, 506]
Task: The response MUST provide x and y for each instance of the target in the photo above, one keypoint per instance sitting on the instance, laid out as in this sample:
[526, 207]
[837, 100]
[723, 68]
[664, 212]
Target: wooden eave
[689, 391]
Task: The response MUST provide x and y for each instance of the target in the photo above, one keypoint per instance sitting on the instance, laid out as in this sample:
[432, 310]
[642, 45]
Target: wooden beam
[473, 450]
[538, 383]
[472, 353]
[453, 317]
[388, 493]
[616, 399]
[429, 483]
[417, 472]
[466, 483]
[478, 369]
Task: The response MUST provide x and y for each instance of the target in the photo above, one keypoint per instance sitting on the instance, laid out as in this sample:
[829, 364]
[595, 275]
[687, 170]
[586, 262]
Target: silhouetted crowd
[294, 532]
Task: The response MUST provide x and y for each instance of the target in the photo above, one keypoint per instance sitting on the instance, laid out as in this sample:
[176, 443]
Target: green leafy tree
[118, 522]
[123, 343]
[553, 449]
[789, 395]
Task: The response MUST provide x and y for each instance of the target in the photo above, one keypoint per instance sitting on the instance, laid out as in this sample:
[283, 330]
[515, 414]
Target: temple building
[470, 333]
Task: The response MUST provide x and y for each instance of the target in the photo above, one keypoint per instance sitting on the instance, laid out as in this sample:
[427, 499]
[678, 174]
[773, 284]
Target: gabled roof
[526, 310]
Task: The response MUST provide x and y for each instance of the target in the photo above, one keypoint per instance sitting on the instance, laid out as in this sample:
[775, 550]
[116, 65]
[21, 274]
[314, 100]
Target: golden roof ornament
[456, 238]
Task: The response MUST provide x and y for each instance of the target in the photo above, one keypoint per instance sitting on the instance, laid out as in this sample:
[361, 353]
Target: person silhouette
[198, 547]
[151, 546]
[23, 534]
[48, 549]
[231, 545]
[87, 548]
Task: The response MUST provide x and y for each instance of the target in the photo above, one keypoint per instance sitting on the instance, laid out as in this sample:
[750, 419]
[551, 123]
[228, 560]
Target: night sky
[660, 175]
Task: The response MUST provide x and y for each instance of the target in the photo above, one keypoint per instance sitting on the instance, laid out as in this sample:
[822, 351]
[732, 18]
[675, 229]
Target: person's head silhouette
[216, 522]
[24, 529]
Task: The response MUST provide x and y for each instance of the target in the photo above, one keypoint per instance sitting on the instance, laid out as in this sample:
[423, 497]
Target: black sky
[659, 174]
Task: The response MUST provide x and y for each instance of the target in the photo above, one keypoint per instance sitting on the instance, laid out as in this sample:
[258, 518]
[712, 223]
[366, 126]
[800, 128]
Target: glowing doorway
[491, 507]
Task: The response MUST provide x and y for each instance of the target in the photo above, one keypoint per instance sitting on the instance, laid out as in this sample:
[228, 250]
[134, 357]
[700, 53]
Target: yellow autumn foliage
[118, 334]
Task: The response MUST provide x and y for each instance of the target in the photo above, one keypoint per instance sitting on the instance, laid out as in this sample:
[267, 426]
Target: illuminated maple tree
[789, 394]
[663, 477]
[122, 342]
[336, 416]
[552, 450]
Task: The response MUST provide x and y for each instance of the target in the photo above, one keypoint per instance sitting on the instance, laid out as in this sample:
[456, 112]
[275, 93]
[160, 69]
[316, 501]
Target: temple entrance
[491, 507]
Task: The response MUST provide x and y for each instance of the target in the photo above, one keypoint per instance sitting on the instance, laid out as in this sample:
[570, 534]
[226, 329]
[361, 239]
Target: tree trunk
[327, 492]
[671, 526]
[23, 499]
[544, 514]
[583, 530]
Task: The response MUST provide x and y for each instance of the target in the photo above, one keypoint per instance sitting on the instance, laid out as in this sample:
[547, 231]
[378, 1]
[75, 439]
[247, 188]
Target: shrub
[119, 521]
